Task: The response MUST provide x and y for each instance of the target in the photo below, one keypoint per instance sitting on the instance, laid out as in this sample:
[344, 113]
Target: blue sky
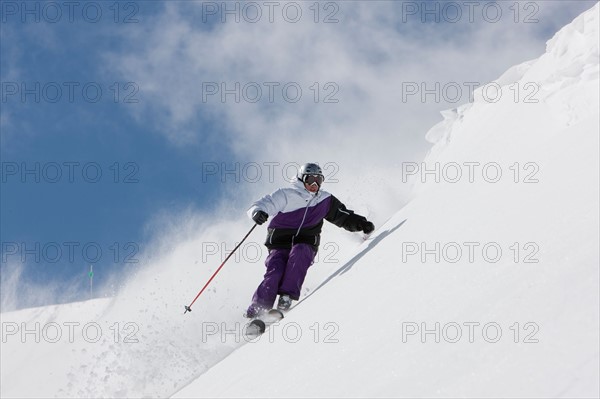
[140, 172]
[152, 127]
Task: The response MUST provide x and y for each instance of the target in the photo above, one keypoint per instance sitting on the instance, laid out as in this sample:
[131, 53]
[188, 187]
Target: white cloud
[368, 55]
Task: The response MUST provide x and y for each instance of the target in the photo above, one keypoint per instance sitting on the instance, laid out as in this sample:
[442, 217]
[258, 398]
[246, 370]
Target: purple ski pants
[286, 270]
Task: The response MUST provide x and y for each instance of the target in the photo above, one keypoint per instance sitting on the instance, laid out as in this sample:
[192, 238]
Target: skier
[293, 235]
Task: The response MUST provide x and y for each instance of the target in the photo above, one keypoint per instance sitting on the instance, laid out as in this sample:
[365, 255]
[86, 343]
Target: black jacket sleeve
[342, 217]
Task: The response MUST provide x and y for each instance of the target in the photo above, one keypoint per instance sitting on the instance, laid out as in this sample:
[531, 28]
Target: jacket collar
[299, 186]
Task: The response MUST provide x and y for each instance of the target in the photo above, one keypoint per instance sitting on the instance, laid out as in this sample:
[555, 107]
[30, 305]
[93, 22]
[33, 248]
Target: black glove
[259, 216]
[367, 227]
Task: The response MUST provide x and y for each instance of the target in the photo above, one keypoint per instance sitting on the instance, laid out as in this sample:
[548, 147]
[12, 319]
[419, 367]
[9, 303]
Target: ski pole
[189, 308]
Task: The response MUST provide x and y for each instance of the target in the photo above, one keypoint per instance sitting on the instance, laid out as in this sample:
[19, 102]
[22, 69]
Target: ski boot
[284, 304]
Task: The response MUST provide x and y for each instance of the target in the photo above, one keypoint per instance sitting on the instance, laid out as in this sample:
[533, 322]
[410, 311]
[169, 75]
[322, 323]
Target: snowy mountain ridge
[571, 56]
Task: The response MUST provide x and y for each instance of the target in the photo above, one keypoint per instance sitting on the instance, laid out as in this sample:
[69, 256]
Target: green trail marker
[91, 275]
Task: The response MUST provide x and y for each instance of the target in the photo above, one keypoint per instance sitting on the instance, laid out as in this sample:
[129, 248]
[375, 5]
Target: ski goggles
[312, 179]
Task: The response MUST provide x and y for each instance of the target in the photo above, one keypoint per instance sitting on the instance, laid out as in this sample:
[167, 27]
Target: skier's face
[312, 182]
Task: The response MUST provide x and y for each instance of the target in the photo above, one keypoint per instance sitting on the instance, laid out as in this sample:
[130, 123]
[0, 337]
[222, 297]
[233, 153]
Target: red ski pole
[189, 308]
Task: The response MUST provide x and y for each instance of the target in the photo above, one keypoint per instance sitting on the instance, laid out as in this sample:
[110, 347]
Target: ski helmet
[311, 169]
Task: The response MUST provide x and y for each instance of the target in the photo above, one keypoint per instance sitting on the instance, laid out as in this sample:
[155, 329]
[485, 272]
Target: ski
[260, 324]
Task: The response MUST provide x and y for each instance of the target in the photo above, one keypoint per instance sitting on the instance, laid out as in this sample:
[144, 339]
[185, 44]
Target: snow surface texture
[520, 323]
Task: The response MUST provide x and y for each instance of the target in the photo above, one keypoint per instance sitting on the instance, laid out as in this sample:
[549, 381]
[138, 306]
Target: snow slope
[361, 333]
[366, 314]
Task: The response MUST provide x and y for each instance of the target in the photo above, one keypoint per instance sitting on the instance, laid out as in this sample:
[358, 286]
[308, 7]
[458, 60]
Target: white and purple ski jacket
[297, 215]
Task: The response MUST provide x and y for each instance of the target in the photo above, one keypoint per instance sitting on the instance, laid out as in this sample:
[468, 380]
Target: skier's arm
[345, 218]
[271, 204]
